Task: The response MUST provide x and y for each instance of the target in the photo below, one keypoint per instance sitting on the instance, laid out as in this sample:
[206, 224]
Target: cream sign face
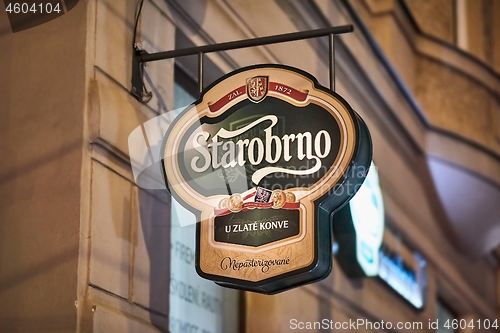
[259, 158]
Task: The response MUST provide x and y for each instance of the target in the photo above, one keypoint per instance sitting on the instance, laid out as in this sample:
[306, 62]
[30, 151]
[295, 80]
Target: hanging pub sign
[263, 159]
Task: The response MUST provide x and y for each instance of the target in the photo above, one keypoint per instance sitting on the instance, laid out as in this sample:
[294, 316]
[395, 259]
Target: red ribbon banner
[285, 90]
[276, 87]
[226, 99]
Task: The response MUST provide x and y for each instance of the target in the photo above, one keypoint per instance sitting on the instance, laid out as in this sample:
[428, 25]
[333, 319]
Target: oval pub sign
[264, 159]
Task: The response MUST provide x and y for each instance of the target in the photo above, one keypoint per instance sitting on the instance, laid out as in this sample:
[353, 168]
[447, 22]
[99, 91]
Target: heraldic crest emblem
[257, 88]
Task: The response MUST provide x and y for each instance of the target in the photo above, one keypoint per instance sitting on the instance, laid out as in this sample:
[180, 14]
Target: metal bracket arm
[141, 56]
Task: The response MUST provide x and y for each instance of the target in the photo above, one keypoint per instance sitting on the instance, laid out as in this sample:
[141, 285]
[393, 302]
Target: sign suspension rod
[331, 43]
[289, 37]
[142, 56]
[200, 71]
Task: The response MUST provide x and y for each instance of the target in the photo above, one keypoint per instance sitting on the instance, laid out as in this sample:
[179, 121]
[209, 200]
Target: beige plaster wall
[42, 99]
[457, 91]
[456, 103]
[435, 17]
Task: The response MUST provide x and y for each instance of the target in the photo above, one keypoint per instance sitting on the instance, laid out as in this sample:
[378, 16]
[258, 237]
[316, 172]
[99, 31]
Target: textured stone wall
[126, 272]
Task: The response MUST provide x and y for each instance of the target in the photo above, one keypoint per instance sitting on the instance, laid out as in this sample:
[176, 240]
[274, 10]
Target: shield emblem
[257, 88]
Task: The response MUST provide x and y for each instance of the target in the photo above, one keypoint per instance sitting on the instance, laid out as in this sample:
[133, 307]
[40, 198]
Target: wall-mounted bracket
[138, 88]
[141, 56]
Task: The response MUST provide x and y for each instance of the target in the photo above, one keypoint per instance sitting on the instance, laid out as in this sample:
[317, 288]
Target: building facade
[84, 248]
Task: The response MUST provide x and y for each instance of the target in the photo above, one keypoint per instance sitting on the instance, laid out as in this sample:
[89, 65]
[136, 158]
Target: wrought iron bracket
[141, 57]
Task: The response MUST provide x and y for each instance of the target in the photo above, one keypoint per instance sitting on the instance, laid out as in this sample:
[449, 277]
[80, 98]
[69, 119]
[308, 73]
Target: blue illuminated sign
[408, 281]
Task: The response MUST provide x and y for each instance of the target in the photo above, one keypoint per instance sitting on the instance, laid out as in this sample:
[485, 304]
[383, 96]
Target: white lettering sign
[272, 149]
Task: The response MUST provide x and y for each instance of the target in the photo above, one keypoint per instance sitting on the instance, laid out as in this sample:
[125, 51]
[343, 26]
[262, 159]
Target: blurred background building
[83, 249]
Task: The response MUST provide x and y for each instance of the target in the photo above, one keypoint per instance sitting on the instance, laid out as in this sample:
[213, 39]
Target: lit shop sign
[263, 159]
[367, 211]
[359, 230]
